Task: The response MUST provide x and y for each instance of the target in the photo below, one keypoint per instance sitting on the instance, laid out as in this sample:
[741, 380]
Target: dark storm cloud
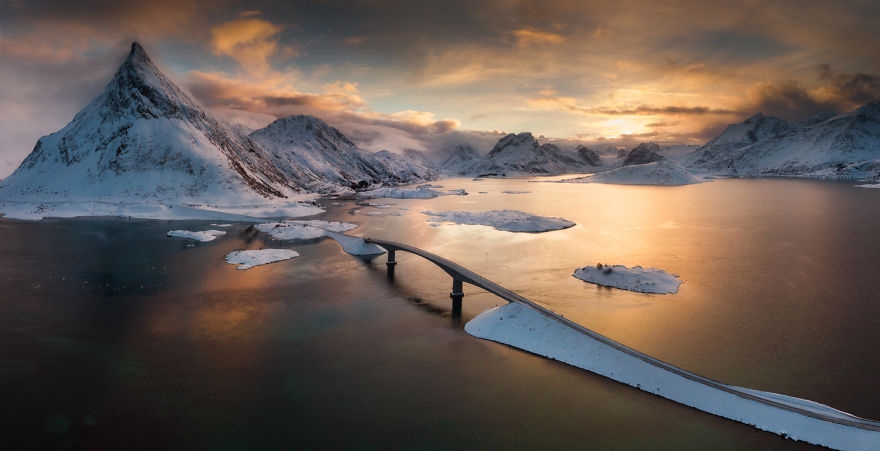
[858, 88]
[793, 101]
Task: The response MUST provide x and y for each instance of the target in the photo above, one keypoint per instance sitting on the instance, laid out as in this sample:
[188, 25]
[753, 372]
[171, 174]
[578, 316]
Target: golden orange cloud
[248, 40]
[526, 37]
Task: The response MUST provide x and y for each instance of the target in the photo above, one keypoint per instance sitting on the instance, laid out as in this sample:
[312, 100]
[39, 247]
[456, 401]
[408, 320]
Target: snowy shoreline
[505, 220]
[525, 328]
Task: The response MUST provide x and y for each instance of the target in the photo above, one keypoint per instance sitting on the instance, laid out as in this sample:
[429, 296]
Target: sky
[424, 75]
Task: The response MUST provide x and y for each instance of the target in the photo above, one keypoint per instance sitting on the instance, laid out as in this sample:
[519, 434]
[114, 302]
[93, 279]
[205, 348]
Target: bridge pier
[456, 295]
[391, 263]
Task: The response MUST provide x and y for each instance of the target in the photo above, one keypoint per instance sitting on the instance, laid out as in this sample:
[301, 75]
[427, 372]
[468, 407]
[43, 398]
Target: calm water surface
[112, 334]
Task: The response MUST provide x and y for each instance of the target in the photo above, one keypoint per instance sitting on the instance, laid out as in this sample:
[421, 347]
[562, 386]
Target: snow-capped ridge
[318, 157]
[145, 139]
[826, 146]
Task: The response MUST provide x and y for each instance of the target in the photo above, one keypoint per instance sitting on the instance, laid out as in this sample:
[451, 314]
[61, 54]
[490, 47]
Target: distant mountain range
[143, 139]
[826, 146]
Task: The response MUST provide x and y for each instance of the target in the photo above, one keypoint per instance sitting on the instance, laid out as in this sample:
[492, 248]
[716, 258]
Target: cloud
[248, 40]
[339, 104]
[854, 89]
[569, 104]
[793, 101]
[355, 40]
[527, 37]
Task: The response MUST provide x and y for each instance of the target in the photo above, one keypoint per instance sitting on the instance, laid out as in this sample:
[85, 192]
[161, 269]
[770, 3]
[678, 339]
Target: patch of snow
[203, 236]
[303, 230]
[251, 258]
[355, 246]
[664, 173]
[409, 193]
[516, 192]
[36, 210]
[522, 327]
[643, 280]
[507, 220]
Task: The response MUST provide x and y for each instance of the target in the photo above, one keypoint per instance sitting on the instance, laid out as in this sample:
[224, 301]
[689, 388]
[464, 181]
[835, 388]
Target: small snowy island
[663, 173]
[506, 220]
[642, 280]
[303, 230]
[420, 192]
[251, 258]
[202, 235]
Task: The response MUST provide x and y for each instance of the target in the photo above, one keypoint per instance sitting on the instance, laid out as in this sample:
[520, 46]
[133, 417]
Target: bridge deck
[458, 272]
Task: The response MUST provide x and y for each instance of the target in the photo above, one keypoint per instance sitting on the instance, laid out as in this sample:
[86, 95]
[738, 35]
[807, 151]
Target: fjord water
[112, 334]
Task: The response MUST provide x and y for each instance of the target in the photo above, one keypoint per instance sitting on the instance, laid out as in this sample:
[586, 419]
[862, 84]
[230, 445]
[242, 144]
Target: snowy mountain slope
[642, 154]
[144, 139]
[661, 172]
[847, 145]
[717, 155]
[319, 157]
[517, 155]
[589, 156]
[842, 146]
[457, 160]
[401, 168]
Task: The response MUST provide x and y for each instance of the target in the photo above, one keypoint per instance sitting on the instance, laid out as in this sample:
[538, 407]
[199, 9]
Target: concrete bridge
[461, 275]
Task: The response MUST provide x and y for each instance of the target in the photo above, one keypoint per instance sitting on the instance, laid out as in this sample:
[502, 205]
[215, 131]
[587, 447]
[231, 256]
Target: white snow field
[643, 280]
[251, 258]
[523, 327]
[203, 235]
[421, 192]
[353, 245]
[36, 210]
[507, 220]
[663, 173]
[303, 230]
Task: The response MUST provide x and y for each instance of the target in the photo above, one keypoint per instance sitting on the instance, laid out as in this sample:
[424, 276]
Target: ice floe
[421, 192]
[303, 230]
[643, 280]
[354, 245]
[222, 225]
[523, 327]
[203, 235]
[869, 185]
[507, 220]
[662, 172]
[251, 258]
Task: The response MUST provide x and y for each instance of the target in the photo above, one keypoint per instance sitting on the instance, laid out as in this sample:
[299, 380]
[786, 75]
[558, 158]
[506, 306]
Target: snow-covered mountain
[144, 139]
[841, 146]
[401, 168]
[457, 160]
[318, 157]
[589, 156]
[517, 155]
[717, 156]
[642, 154]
